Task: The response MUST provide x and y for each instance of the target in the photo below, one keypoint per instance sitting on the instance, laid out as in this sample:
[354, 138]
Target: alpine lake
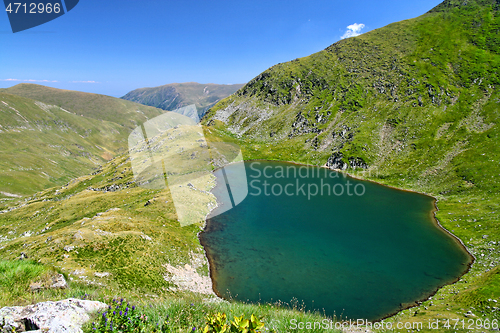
[316, 239]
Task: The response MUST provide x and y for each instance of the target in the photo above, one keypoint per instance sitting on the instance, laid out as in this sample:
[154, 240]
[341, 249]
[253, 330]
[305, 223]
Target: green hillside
[176, 95]
[43, 145]
[115, 229]
[49, 136]
[101, 107]
[414, 105]
[416, 100]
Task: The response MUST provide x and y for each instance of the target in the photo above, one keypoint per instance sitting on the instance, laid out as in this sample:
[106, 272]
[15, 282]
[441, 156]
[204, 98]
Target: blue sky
[111, 47]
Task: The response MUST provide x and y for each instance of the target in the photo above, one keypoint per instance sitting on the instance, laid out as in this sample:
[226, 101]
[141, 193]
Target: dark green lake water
[360, 256]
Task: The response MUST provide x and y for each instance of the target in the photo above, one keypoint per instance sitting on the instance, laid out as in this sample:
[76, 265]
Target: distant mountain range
[177, 95]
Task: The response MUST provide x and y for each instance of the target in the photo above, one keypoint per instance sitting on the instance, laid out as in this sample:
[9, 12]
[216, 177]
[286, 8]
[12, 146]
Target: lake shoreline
[208, 257]
[433, 212]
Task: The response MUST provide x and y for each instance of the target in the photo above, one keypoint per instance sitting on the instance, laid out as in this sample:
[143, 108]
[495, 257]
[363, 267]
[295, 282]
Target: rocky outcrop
[345, 133]
[54, 282]
[357, 162]
[113, 187]
[302, 126]
[66, 316]
[187, 278]
[335, 162]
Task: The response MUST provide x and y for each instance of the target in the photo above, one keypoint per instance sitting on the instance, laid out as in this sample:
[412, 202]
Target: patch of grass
[485, 296]
[189, 312]
[16, 276]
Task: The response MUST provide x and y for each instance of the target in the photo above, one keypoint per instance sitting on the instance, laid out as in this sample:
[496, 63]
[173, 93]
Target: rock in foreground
[54, 317]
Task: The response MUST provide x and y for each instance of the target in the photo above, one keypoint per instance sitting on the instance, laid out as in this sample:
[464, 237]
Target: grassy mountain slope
[176, 95]
[104, 217]
[101, 107]
[44, 145]
[413, 105]
[49, 136]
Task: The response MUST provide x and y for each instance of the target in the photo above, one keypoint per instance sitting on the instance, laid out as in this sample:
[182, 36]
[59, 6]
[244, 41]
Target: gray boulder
[55, 282]
[66, 316]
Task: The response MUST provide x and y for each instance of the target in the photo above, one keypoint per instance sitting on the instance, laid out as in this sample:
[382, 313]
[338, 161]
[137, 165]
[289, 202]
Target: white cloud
[39, 81]
[29, 80]
[353, 30]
